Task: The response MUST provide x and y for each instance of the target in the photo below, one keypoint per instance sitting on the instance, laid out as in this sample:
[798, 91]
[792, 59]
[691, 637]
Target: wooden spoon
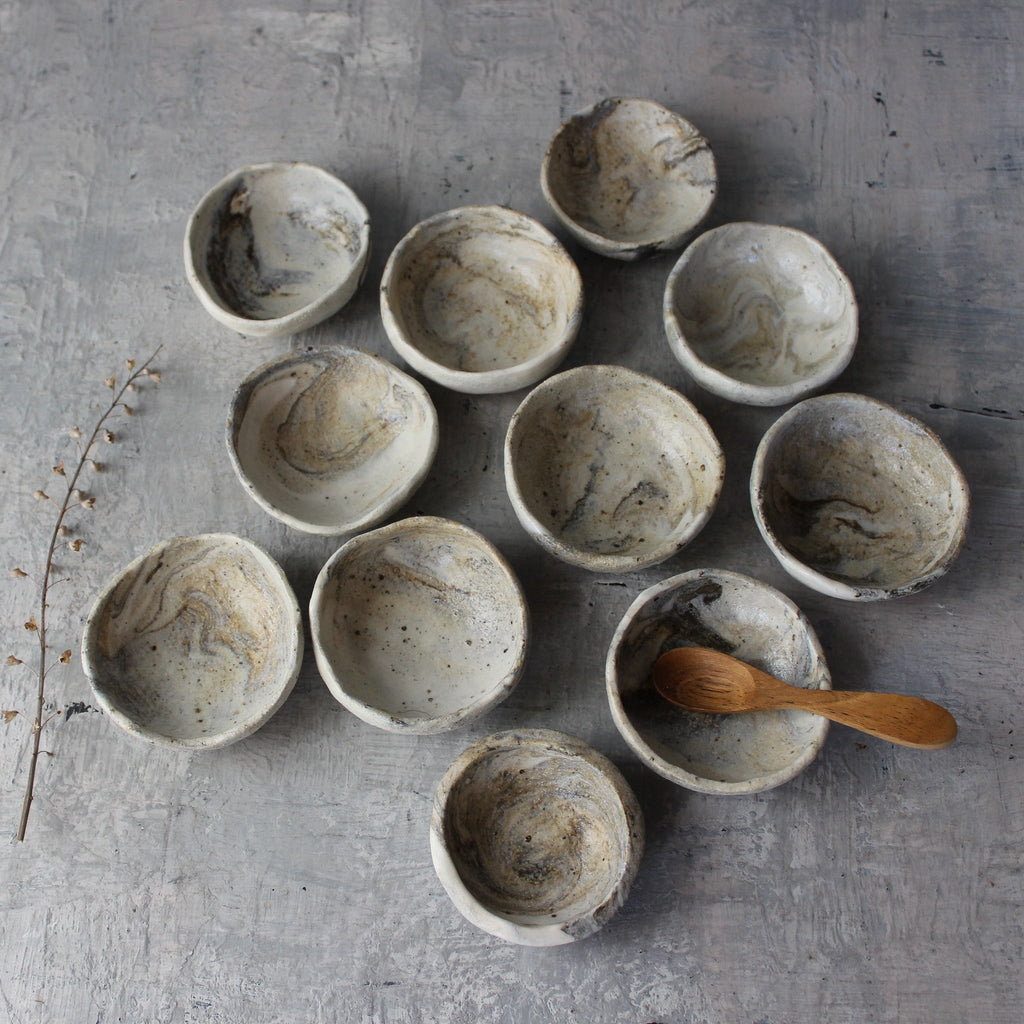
[699, 679]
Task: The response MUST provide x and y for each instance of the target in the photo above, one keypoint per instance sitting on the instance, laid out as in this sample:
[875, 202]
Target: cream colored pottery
[275, 248]
[760, 314]
[331, 440]
[609, 469]
[628, 177]
[858, 500]
[481, 299]
[721, 754]
[419, 626]
[535, 837]
[196, 643]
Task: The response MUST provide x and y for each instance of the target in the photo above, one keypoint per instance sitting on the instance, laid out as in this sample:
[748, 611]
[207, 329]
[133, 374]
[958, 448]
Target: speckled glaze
[333, 440]
[724, 754]
[481, 299]
[536, 837]
[196, 643]
[275, 248]
[628, 177]
[609, 469]
[858, 500]
[760, 314]
[419, 626]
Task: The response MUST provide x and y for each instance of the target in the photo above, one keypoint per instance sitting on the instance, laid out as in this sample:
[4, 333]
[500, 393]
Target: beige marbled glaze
[196, 643]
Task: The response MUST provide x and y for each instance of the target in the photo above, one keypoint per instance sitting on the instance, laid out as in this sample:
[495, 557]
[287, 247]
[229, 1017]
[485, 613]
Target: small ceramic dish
[609, 469]
[419, 626]
[858, 500]
[535, 837]
[196, 643]
[275, 248]
[760, 314]
[481, 299]
[331, 441]
[627, 177]
[725, 754]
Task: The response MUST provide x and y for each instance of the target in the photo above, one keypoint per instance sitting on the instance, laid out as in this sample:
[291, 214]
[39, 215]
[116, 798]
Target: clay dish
[276, 248]
[331, 441]
[858, 500]
[535, 837]
[196, 643]
[726, 754]
[760, 314]
[628, 177]
[481, 299]
[609, 469]
[419, 626]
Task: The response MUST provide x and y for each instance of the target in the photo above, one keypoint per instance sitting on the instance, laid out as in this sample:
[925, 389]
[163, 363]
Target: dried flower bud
[9, 716]
[59, 468]
[130, 363]
[128, 410]
[154, 375]
[75, 432]
[76, 544]
[77, 494]
[62, 530]
[111, 382]
[40, 496]
[19, 573]
[109, 436]
[89, 503]
[65, 657]
[96, 467]
[12, 660]
[31, 624]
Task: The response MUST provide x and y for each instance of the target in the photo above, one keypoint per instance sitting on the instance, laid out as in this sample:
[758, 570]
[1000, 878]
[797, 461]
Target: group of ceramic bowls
[420, 625]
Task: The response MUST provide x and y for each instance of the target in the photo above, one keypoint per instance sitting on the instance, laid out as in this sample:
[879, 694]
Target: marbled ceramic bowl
[628, 177]
[331, 441]
[419, 626]
[196, 643]
[275, 248]
[858, 500]
[760, 314]
[727, 754]
[481, 299]
[609, 469]
[535, 837]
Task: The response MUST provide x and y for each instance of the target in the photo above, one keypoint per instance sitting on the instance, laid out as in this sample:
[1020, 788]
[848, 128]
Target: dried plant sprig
[74, 498]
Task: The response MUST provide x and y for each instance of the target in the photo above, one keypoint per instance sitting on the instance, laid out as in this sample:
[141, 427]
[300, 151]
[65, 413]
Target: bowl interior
[613, 463]
[332, 440]
[631, 171]
[197, 642]
[862, 493]
[483, 289]
[277, 239]
[537, 835]
[744, 618]
[420, 621]
[764, 305]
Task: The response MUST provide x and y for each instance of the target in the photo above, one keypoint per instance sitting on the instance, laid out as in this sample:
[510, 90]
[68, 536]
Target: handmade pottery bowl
[858, 500]
[628, 177]
[609, 469]
[196, 643]
[760, 314]
[419, 626]
[331, 441]
[275, 248]
[743, 753]
[535, 837]
[481, 299]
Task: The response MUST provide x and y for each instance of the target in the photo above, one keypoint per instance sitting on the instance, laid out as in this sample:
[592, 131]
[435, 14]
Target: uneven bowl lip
[722, 384]
[386, 720]
[312, 313]
[811, 577]
[495, 924]
[655, 761]
[289, 605]
[606, 245]
[236, 413]
[558, 547]
[476, 382]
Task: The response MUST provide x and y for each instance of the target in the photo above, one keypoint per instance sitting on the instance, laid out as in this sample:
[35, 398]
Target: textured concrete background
[287, 878]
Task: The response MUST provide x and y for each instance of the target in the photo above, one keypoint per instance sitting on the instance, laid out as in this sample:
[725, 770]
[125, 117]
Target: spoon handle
[909, 721]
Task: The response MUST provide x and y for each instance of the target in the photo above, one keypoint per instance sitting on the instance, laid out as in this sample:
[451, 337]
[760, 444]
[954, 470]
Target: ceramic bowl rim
[594, 918]
[289, 607]
[804, 573]
[315, 311]
[243, 395]
[722, 384]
